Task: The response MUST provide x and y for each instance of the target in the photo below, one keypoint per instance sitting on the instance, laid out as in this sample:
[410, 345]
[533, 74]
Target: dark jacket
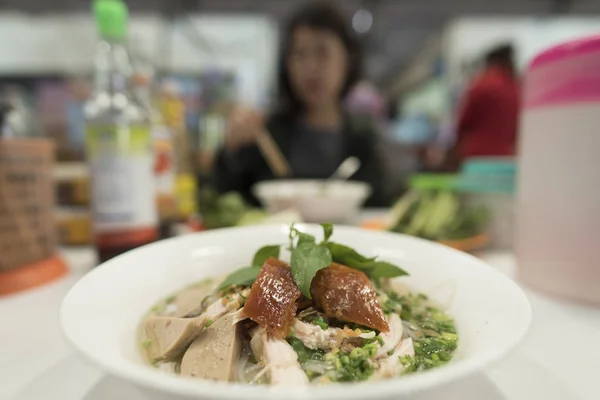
[240, 171]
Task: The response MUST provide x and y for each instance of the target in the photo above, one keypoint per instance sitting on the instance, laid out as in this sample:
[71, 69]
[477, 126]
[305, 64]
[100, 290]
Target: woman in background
[489, 115]
[320, 62]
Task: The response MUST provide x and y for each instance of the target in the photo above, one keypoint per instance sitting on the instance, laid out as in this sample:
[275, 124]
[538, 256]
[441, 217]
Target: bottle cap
[111, 18]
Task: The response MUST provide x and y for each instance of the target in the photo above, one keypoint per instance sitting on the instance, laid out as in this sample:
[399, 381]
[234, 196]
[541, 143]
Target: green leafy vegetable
[305, 238]
[384, 269]
[244, 276]
[264, 253]
[327, 231]
[306, 260]
[348, 256]
[374, 269]
[319, 321]
[304, 353]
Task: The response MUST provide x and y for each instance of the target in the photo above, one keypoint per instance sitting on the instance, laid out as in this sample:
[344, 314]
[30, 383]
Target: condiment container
[558, 203]
[28, 253]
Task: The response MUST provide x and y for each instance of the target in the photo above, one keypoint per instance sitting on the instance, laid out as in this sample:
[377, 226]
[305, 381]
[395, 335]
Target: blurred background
[192, 65]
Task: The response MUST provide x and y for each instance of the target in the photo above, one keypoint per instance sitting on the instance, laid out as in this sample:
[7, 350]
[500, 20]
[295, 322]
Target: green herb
[170, 299]
[371, 348]
[156, 308]
[383, 269]
[208, 323]
[264, 253]
[304, 353]
[320, 322]
[348, 256]
[306, 260]
[244, 277]
[327, 231]
[434, 333]
[431, 345]
[353, 366]
[146, 343]
[374, 269]
[292, 235]
[305, 238]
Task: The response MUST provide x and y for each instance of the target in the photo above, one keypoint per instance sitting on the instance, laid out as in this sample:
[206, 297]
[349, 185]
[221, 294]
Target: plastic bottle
[119, 144]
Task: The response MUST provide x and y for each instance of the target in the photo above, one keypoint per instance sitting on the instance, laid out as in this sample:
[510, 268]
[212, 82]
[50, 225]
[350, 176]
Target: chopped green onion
[321, 322]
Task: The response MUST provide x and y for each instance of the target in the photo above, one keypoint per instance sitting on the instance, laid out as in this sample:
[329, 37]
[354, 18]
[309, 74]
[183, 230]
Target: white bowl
[316, 200]
[101, 314]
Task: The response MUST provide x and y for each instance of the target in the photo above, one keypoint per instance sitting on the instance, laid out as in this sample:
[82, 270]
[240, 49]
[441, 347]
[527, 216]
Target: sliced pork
[169, 337]
[215, 353]
[272, 299]
[348, 295]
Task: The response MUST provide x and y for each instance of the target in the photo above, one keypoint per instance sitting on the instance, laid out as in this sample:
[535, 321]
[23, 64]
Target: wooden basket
[27, 228]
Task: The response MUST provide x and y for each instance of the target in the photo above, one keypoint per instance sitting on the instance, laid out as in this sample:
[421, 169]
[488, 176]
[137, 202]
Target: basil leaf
[244, 276]
[264, 253]
[327, 231]
[292, 236]
[384, 269]
[348, 256]
[306, 260]
[305, 238]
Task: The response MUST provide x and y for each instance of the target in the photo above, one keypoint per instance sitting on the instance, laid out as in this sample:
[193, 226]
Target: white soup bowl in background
[315, 200]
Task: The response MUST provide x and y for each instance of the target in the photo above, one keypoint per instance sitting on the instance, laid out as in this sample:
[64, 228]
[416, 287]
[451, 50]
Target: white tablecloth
[559, 360]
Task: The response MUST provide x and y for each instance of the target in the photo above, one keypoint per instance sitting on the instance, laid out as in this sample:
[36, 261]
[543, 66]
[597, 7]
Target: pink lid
[564, 75]
[574, 48]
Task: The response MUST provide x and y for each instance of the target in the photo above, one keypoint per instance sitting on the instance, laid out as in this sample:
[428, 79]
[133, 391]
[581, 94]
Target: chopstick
[272, 154]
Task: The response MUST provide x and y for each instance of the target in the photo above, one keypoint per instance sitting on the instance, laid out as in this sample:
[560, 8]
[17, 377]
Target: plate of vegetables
[433, 209]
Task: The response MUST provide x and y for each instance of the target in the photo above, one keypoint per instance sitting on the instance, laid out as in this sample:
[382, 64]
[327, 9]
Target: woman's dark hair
[501, 54]
[321, 15]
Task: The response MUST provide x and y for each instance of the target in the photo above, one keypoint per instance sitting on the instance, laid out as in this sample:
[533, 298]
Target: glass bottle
[119, 145]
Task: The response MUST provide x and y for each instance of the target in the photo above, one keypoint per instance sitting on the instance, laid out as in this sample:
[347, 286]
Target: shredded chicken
[391, 366]
[392, 338]
[279, 358]
[315, 337]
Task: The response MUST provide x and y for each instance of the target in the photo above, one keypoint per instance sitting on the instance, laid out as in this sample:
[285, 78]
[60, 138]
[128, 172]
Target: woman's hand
[243, 126]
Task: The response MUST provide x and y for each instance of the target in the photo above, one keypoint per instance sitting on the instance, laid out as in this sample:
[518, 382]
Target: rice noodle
[169, 367]
[259, 375]
[241, 370]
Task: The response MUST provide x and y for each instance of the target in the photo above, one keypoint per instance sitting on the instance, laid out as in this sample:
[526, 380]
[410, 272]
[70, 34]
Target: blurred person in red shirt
[489, 113]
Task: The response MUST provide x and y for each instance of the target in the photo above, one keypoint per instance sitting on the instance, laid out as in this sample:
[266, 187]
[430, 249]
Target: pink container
[558, 199]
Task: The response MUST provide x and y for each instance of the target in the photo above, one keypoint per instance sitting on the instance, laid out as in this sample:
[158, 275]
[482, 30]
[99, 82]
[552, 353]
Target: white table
[559, 360]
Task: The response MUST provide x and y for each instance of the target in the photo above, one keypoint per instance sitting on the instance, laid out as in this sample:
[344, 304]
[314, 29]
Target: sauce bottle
[119, 144]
